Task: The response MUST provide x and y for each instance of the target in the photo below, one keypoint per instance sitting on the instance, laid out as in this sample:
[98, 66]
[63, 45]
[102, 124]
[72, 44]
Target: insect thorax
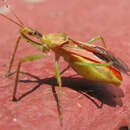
[53, 40]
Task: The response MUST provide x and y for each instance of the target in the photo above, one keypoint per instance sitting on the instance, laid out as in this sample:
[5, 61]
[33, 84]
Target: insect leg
[94, 64]
[24, 59]
[59, 89]
[13, 55]
[97, 38]
[65, 69]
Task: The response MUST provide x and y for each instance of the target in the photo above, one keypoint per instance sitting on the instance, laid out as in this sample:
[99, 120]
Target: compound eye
[37, 34]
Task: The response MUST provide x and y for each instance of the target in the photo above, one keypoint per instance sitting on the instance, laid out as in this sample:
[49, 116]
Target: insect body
[92, 62]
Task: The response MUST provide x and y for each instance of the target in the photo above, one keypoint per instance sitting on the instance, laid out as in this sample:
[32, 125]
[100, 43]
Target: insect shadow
[105, 93]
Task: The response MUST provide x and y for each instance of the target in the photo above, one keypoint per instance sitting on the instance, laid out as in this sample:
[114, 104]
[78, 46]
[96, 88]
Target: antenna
[20, 24]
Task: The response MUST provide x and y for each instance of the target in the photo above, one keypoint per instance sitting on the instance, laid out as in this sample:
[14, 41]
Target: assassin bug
[93, 62]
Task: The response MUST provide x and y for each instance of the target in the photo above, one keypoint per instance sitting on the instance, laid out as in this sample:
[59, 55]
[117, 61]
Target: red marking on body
[116, 72]
[74, 51]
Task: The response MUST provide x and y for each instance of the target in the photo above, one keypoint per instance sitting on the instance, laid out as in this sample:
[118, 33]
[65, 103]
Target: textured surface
[37, 109]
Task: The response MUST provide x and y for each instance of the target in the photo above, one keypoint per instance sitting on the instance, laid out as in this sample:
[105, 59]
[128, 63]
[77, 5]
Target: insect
[88, 60]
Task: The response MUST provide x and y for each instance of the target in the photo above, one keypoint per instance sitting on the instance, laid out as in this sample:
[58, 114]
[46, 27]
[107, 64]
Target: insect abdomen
[93, 72]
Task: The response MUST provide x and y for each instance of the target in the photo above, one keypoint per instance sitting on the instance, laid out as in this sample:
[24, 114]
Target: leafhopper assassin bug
[88, 60]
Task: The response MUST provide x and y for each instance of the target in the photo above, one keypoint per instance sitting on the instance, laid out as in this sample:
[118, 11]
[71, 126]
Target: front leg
[12, 58]
[22, 60]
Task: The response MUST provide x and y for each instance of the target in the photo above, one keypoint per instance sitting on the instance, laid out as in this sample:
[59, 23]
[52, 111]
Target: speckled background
[37, 109]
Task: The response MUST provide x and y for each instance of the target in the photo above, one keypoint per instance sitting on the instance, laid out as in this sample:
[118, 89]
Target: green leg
[97, 38]
[94, 64]
[24, 59]
[15, 49]
[13, 55]
[59, 89]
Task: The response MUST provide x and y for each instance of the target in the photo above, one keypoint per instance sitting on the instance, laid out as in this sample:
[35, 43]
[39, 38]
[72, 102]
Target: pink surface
[37, 109]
